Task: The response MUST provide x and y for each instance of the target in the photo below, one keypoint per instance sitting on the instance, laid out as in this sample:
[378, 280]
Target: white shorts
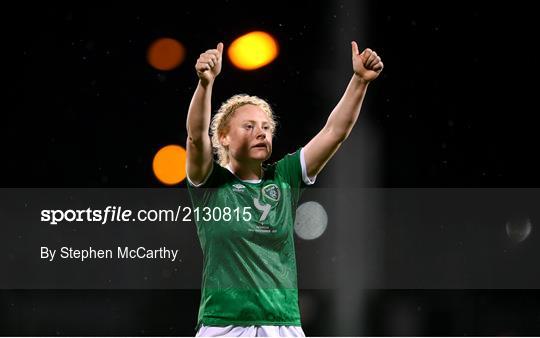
[250, 331]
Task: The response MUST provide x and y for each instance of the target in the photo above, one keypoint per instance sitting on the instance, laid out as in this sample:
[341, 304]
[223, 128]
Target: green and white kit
[249, 272]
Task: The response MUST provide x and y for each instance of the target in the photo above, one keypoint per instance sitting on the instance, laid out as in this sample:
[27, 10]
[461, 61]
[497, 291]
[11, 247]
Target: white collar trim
[248, 181]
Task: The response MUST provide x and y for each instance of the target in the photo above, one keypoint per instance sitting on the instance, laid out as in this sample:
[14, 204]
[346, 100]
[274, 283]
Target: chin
[261, 155]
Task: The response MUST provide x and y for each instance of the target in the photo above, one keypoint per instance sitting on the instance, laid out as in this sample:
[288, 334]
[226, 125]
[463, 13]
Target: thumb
[354, 48]
[220, 47]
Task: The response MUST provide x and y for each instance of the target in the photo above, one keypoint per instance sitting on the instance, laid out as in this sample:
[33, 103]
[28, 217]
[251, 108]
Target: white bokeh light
[311, 220]
[518, 228]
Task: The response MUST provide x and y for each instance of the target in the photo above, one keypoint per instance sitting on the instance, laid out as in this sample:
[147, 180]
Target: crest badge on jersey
[272, 192]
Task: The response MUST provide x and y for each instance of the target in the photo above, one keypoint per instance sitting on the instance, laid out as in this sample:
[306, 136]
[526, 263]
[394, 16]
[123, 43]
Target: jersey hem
[245, 323]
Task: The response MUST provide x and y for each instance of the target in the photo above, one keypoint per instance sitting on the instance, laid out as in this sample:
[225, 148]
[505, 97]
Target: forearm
[344, 116]
[198, 119]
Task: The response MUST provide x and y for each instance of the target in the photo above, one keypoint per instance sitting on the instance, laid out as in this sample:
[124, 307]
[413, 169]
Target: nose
[260, 133]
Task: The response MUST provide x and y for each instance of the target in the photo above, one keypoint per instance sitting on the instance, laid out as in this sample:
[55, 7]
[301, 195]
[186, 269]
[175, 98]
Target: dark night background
[455, 107]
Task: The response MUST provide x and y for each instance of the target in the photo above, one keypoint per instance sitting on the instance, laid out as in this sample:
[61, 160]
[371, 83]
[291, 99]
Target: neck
[251, 170]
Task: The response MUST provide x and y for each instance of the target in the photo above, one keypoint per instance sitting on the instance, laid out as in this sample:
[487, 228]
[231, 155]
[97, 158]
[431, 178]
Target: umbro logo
[238, 187]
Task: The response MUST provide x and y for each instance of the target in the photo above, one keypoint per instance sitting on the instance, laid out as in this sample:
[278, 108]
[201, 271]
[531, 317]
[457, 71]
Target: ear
[224, 140]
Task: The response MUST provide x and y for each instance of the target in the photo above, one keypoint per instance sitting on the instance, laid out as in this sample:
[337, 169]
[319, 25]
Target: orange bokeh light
[166, 54]
[169, 164]
[253, 50]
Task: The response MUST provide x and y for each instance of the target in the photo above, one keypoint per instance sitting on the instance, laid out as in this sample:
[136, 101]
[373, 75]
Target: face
[249, 135]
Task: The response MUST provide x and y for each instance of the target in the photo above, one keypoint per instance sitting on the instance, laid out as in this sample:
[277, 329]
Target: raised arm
[199, 147]
[366, 66]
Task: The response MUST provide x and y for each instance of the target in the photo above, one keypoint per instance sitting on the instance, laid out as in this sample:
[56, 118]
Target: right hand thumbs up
[208, 64]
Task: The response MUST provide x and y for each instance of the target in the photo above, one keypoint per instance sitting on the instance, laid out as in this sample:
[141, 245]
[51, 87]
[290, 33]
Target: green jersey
[246, 234]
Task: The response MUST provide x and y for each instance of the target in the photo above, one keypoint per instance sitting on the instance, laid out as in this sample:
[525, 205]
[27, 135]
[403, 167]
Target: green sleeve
[200, 193]
[289, 169]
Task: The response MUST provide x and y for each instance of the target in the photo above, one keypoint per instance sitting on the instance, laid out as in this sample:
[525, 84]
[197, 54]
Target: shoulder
[293, 166]
[215, 177]
[289, 159]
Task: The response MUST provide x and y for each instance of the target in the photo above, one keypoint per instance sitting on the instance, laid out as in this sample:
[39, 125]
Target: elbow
[339, 131]
[196, 133]
[196, 143]
[193, 135]
[337, 135]
[341, 136]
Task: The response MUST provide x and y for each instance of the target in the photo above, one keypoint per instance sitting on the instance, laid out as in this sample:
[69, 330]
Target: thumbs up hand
[366, 65]
[208, 64]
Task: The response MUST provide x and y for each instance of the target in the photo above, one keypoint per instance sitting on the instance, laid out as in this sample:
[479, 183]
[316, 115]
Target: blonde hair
[220, 121]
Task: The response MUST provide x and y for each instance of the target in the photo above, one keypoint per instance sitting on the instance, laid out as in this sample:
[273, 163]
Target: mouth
[260, 146]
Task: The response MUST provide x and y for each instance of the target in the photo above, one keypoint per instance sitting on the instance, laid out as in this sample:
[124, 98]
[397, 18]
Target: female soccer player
[247, 209]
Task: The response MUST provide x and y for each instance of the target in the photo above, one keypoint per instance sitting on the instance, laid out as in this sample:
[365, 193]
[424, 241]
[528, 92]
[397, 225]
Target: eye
[248, 126]
[266, 127]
